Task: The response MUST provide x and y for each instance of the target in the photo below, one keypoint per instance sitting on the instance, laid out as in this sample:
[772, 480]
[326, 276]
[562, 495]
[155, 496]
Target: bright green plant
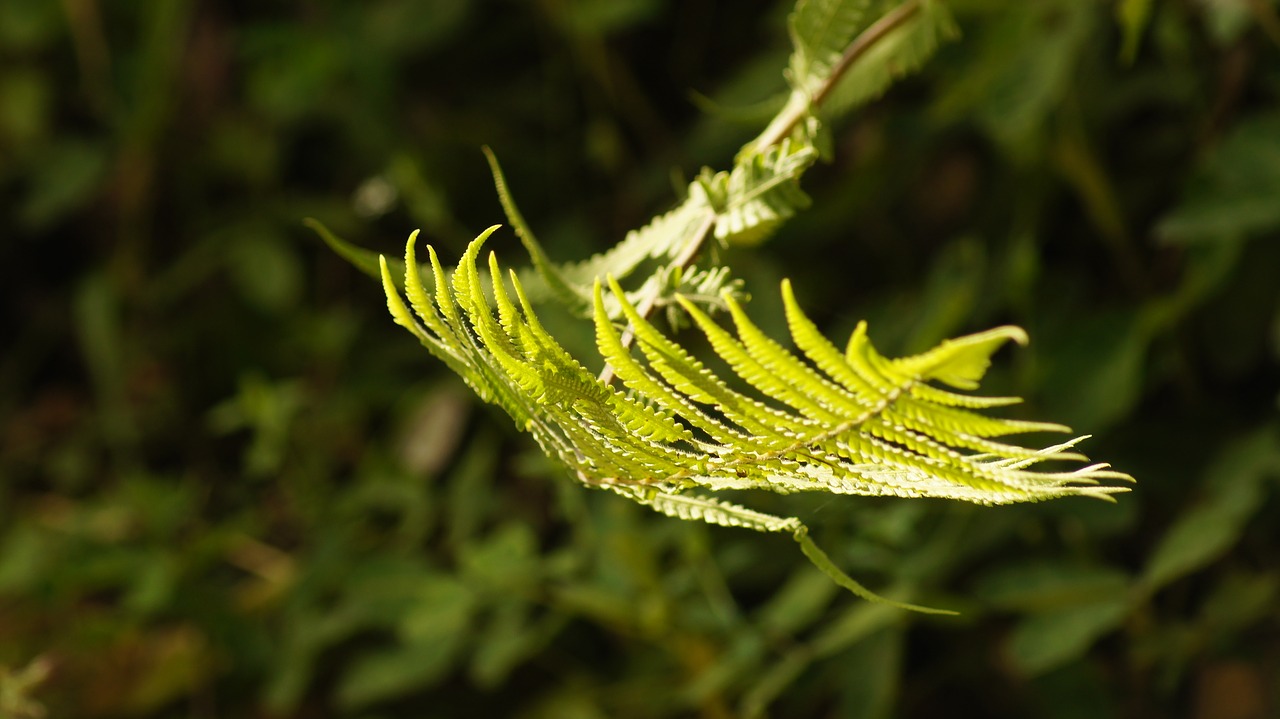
[851, 422]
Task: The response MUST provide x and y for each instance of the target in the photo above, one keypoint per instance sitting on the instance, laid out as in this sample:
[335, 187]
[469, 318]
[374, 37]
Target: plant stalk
[800, 105]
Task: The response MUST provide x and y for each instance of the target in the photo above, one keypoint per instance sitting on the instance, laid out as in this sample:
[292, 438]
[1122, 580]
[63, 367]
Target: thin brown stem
[880, 29]
[802, 104]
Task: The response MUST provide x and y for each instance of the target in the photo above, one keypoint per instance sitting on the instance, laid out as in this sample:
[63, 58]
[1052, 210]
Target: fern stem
[829, 568]
[865, 41]
[801, 105]
[650, 299]
[776, 132]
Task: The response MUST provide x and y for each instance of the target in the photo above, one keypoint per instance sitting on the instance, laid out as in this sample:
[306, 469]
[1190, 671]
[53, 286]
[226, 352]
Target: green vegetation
[231, 487]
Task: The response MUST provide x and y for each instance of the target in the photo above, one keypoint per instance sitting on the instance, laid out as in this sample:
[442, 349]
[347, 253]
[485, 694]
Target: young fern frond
[851, 422]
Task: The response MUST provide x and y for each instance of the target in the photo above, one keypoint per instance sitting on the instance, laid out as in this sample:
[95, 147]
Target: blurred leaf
[440, 609]
[1233, 191]
[1238, 601]
[393, 672]
[17, 689]
[163, 505]
[290, 69]
[24, 107]
[1044, 585]
[425, 198]
[143, 671]
[151, 586]
[951, 291]
[26, 25]
[299, 644]
[265, 269]
[1133, 16]
[1208, 529]
[102, 344]
[872, 677]
[597, 17]
[505, 560]
[1210, 265]
[797, 603]
[740, 657]
[509, 638]
[852, 626]
[65, 177]
[430, 434]
[1050, 639]
[571, 701]
[1227, 21]
[1094, 368]
[469, 485]
[403, 26]
[769, 684]
[1079, 691]
[269, 409]
[26, 554]
[432, 613]
[1026, 54]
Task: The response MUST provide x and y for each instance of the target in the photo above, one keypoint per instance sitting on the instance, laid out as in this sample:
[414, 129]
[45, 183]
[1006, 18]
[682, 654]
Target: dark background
[232, 487]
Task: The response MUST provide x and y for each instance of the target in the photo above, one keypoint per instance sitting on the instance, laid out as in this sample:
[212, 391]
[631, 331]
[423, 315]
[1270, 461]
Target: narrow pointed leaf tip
[367, 261]
[811, 420]
[962, 362]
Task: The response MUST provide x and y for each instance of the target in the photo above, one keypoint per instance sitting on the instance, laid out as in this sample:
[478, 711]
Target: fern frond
[851, 422]
[760, 193]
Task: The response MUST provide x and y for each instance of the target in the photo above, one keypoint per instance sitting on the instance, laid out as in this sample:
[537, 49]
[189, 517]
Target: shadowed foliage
[229, 486]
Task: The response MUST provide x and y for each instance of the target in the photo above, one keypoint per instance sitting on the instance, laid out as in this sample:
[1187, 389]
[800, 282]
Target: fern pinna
[850, 422]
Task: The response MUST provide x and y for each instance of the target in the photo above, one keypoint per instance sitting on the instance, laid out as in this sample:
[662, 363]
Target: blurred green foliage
[229, 486]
